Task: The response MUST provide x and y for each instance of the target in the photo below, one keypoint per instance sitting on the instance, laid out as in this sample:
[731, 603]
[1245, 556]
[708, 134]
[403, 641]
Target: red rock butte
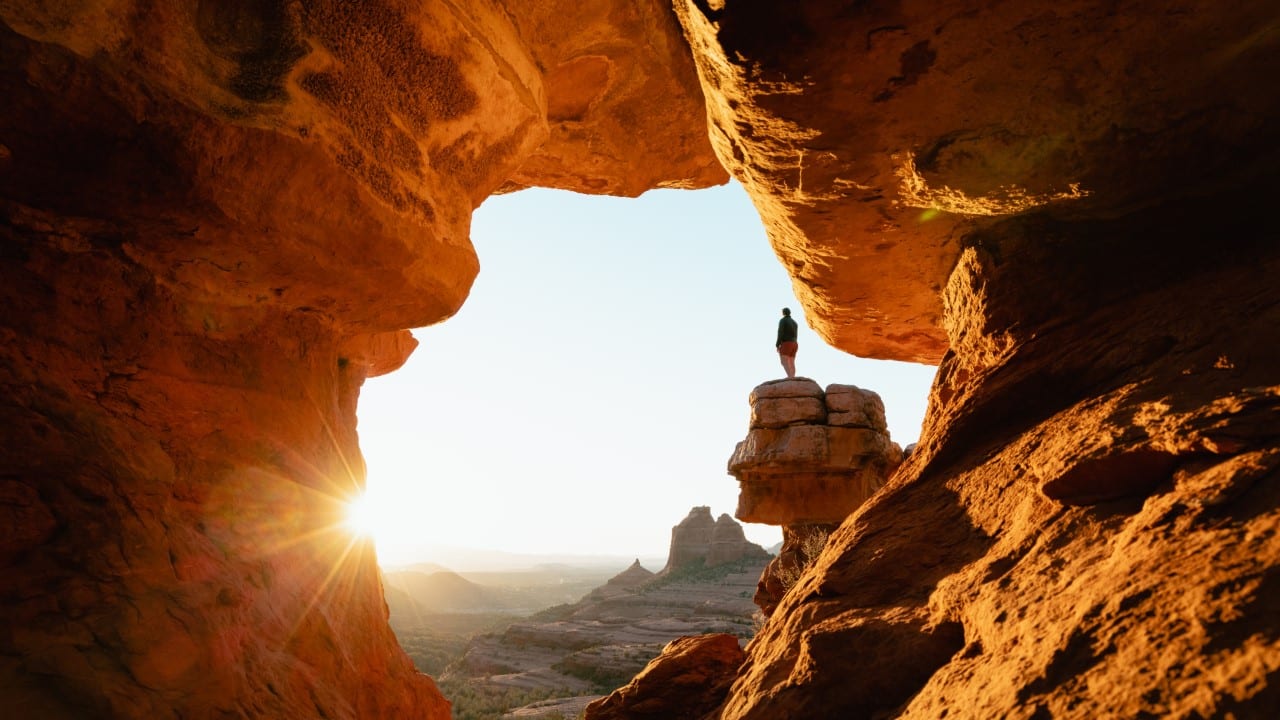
[218, 218]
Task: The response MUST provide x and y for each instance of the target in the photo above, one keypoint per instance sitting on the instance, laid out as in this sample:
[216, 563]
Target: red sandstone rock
[795, 468]
[1051, 577]
[1085, 528]
[217, 220]
[873, 139]
[798, 469]
[852, 406]
[700, 539]
[213, 217]
[686, 682]
[624, 107]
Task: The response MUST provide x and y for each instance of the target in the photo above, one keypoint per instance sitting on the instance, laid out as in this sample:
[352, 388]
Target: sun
[362, 516]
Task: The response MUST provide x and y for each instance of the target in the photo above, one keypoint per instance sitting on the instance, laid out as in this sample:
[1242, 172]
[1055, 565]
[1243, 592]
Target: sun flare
[362, 516]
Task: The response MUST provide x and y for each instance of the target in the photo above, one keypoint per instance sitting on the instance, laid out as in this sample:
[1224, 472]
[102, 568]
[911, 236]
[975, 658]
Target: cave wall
[1089, 525]
[1064, 205]
[219, 217]
[216, 220]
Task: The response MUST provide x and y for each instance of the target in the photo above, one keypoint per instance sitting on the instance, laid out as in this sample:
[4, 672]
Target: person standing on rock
[786, 344]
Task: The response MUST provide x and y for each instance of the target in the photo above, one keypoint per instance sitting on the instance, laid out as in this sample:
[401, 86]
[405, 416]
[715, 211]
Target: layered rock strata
[218, 217]
[216, 220]
[1069, 199]
[810, 458]
[702, 540]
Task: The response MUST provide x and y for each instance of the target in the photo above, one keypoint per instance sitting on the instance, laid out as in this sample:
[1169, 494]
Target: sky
[592, 388]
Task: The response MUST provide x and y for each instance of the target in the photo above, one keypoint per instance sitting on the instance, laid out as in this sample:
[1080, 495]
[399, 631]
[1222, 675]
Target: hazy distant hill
[425, 568]
[444, 591]
[427, 589]
[403, 610]
[468, 560]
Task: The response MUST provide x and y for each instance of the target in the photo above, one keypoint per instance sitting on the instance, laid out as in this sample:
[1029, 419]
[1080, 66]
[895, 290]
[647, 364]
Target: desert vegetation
[810, 545]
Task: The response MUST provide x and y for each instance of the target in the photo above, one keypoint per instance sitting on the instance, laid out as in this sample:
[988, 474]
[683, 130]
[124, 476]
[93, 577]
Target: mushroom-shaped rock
[806, 470]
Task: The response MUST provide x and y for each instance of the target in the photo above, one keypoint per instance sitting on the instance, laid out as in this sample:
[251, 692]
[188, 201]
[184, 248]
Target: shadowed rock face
[875, 138]
[700, 539]
[1069, 199]
[687, 681]
[218, 217]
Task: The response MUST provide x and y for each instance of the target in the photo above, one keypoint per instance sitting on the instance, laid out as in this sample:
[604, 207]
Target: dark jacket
[786, 330]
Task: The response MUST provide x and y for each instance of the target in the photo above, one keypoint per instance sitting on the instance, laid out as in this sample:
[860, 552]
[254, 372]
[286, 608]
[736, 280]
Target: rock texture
[623, 106]
[216, 220]
[700, 540]
[1062, 203]
[689, 679]
[1106, 549]
[598, 643]
[811, 456]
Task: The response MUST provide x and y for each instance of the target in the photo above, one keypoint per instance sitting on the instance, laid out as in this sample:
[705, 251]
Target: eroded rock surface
[216, 220]
[687, 681]
[811, 456]
[1088, 526]
[873, 139]
[1090, 512]
[700, 540]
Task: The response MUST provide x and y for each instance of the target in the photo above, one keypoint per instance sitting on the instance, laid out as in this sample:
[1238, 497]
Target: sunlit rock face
[216, 219]
[686, 682]
[1071, 198]
[624, 108]
[874, 138]
[811, 457]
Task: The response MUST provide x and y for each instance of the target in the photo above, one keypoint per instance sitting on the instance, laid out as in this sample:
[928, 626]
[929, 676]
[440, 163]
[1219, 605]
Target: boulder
[803, 468]
[851, 406]
[686, 682]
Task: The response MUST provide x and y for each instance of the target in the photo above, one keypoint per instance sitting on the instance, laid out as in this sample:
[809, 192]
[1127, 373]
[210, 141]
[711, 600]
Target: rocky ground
[588, 648]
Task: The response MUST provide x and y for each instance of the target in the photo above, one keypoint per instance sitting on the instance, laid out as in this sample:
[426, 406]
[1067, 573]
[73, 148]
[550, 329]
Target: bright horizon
[592, 387]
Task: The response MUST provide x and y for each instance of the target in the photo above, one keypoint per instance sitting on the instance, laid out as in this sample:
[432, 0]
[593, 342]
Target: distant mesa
[700, 539]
